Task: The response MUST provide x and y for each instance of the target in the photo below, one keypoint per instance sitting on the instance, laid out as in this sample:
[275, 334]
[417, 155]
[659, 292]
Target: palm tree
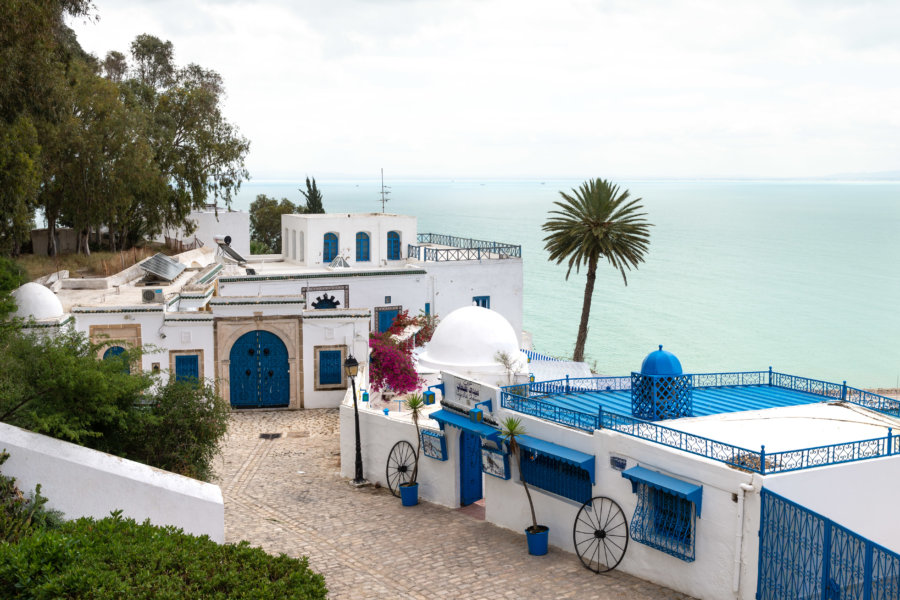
[511, 429]
[416, 404]
[596, 221]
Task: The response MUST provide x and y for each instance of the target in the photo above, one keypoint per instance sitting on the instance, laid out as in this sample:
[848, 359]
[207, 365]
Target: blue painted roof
[707, 400]
[661, 362]
[683, 489]
[574, 457]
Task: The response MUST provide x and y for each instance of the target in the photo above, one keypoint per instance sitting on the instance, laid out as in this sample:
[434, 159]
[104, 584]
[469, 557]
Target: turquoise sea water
[740, 275]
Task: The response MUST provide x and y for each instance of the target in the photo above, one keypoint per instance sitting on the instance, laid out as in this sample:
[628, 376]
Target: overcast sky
[563, 88]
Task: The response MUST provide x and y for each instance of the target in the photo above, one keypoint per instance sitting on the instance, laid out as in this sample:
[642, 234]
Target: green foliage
[20, 179]
[259, 248]
[265, 221]
[596, 221]
[313, 198]
[12, 275]
[511, 428]
[21, 516]
[116, 558]
[415, 404]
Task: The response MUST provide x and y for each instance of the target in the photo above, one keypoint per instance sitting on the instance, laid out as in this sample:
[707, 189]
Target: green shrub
[21, 515]
[119, 558]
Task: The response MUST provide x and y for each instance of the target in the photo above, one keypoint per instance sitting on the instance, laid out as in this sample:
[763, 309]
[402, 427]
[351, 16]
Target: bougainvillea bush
[390, 364]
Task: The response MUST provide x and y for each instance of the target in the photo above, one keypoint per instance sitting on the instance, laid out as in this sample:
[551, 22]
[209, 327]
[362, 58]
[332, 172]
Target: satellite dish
[227, 240]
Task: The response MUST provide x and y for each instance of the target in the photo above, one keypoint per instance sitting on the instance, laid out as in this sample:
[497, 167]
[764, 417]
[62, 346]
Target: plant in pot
[409, 491]
[537, 535]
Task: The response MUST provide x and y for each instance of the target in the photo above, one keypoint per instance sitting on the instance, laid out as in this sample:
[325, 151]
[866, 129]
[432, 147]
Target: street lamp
[351, 367]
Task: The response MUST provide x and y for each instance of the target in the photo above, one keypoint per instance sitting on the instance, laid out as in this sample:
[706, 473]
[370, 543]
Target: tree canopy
[313, 198]
[265, 221]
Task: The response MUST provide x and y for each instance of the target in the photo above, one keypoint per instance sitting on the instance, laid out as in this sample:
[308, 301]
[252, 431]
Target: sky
[558, 89]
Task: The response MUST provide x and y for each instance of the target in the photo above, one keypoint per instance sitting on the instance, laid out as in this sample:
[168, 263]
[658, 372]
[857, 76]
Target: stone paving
[287, 495]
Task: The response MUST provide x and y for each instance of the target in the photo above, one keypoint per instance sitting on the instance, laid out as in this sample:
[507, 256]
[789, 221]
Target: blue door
[393, 240]
[469, 468]
[330, 247]
[187, 367]
[386, 319]
[258, 373]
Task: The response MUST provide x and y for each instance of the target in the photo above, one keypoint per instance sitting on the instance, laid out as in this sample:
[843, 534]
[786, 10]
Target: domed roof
[469, 338]
[660, 362]
[34, 300]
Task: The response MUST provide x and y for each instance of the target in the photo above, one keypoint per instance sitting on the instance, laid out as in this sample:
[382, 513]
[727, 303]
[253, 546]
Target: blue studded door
[469, 468]
[258, 371]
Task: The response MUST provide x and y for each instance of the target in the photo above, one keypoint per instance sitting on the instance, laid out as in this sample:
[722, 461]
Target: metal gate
[805, 555]
[258, 371]
[469, 468]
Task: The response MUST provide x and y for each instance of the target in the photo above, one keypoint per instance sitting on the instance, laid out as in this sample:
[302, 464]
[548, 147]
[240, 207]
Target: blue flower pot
[409, 494]
[537, 540]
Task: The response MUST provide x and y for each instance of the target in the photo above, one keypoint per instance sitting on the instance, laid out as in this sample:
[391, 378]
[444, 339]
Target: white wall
[209, 224]
[346, 226]
[866, 491]
[85, 483]
[349, 331]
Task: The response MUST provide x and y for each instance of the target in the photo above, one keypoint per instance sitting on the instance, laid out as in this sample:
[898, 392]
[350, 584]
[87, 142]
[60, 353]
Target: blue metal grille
[329, 367]
[655, 398]
[393, 250]
[362, 246]
[460, 248]
[664, 521]
[553, 475]
[329, 247]
[805, 555]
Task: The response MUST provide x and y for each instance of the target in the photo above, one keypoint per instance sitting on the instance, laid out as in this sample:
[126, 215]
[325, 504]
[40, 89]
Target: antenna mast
[385, 191]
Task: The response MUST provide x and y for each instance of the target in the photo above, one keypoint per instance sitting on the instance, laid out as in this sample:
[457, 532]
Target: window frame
[325, 246]
[397, 254]
[317, 350]
[368, 241]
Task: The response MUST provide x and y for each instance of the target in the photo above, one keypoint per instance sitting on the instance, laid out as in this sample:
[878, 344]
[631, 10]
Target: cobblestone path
[287, 495]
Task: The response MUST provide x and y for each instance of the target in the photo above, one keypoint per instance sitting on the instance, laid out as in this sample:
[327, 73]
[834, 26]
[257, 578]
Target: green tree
[265, 220]
[20, 179]
[313, 198]
[12, 275]
[596, 221]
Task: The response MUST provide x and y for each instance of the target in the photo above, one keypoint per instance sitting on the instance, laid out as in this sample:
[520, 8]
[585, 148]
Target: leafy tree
[313, 198]
[596, 221]
[20, 179]
[115, 66]
[12, 275]
[265, 220]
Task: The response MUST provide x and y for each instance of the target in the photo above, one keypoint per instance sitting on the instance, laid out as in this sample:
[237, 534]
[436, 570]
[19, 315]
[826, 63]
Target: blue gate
[805, 555]
[469, 468]
[258, 372]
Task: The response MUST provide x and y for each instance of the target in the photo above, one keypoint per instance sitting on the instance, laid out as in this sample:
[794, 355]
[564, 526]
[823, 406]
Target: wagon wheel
[399, 466]
[600, 534]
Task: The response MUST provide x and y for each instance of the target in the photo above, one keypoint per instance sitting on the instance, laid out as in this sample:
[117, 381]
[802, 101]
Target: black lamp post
[351, 366]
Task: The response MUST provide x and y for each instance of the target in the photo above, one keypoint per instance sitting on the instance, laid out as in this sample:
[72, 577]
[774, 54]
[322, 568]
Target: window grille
[664, 521]
[548, 473]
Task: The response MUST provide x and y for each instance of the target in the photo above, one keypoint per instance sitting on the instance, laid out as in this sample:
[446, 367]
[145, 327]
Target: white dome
[34, 300]
[469, 339]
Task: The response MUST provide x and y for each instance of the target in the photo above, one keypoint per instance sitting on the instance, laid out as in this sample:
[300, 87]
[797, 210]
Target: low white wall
[855, 495]
[85, 483]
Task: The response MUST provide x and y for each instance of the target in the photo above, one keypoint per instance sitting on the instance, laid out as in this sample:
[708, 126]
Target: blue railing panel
[740, 378]
[460, 248]
[873, 401]
[553, 475]
[803, 554]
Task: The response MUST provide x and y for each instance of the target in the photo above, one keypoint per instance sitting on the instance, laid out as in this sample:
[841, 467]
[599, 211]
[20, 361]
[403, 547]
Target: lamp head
[351, 366]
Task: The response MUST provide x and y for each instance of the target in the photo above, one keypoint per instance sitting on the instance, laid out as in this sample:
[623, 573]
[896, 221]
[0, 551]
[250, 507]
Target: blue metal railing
[459, 248]
[530, 399]
[803, 554]
[533, 355]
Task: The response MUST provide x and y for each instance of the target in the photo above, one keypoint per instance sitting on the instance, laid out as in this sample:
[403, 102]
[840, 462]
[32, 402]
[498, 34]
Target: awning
[676, 487]
[573, 457]
[445, 417]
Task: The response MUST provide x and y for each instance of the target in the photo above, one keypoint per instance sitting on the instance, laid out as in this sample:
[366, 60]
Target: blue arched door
[258, 371]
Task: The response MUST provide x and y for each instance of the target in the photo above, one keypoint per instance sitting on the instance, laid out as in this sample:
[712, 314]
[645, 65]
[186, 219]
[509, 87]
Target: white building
[725, 485]
[274, 331]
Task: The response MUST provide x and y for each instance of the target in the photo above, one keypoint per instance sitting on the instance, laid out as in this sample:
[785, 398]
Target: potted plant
[537, 535]
[409, 491]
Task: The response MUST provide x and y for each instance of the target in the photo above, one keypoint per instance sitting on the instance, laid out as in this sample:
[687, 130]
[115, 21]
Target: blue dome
[660, 362]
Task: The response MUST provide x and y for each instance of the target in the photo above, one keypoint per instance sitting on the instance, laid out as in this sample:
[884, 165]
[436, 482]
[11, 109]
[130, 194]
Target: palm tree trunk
[580, 341]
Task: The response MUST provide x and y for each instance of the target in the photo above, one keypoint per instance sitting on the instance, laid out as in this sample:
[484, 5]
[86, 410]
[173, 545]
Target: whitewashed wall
[346, 226]
[209, 224]
[85, 483]
[866, 491]
[322, 330]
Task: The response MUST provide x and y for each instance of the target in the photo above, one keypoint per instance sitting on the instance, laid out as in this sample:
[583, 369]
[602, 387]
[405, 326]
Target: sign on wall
[495, 463]
[465, 393]
[434, 445]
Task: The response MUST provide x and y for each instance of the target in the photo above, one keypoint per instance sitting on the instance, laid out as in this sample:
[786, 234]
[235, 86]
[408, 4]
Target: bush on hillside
[20, 515]
[116, 558]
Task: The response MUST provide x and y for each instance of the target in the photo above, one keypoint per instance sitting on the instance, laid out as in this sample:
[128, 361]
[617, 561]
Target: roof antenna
[385, 191]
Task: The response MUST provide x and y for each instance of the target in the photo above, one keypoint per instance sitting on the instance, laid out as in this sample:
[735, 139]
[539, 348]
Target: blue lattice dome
[661, 363]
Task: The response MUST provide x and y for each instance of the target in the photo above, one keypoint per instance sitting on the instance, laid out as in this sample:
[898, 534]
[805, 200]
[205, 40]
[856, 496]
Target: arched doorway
[258, 371]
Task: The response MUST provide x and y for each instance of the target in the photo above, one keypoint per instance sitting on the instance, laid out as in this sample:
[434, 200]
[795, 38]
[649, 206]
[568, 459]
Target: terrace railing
[459, 249]
[531, 399]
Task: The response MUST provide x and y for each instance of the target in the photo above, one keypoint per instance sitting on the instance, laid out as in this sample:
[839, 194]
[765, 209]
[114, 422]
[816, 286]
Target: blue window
[386, 318]
[187, 367]
[330, 249]
[362, 246]
[393, 245]
[428, 308]
[482, 301]
[115, 353]
[330, 367]
[549, 473]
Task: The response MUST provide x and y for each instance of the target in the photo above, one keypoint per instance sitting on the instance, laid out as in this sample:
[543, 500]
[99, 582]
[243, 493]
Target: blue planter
[409, 494]
[537, 541]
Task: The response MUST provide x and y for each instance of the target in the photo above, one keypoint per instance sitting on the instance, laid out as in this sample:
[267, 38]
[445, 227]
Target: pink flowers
[391, 365]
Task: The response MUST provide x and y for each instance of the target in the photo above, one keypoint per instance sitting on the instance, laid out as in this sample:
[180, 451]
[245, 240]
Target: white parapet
[82, 482]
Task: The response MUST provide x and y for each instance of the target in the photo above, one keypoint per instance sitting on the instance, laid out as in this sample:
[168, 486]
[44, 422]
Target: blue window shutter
[330, 248]
[428, 308]
[187, 367]
[329, 367]
[393, 245]
[362, 247]
[386, 319]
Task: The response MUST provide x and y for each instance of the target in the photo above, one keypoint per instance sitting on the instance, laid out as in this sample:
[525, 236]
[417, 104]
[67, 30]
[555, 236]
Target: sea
[802, 276]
